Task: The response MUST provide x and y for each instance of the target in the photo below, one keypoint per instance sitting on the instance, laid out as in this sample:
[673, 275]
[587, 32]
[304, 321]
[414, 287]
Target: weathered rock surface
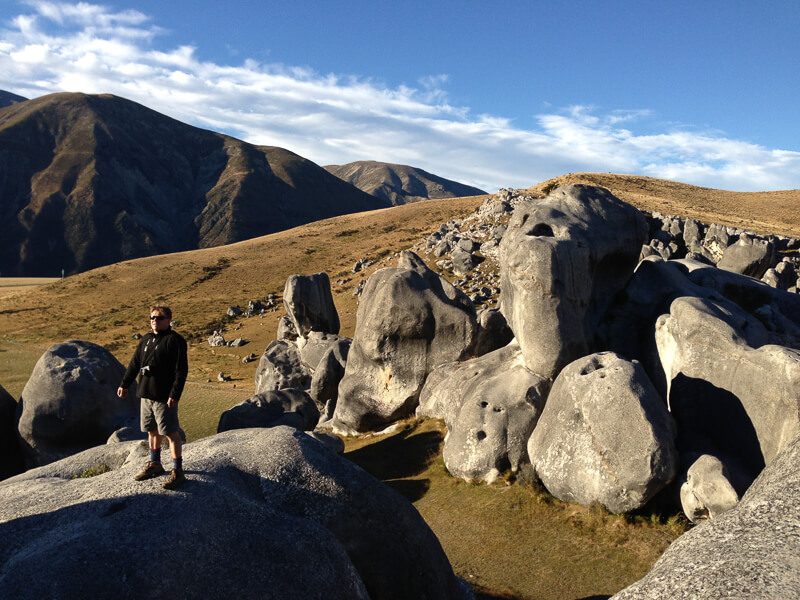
[752, 551]
[265, 513]
[11, 461]
[731, 395]
[706, 490]
[70, 402]
[280, 368]
[562, 261]
[748, 256]
[294, 408]
[604, 435]
[329, 373]
[309, 304]
[409, 321]
[493, 331]
[313, 348]
[495, 403]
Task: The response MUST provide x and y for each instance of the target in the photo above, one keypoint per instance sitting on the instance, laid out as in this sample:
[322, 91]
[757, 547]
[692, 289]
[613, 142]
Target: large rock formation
[281, 367]
[750, 552]
[265, 513]
[604, 436]
[733, 396]
[562, 261]
[70, 402]
[409, 321]
[93, 180]
[309, 304]
[491, 403]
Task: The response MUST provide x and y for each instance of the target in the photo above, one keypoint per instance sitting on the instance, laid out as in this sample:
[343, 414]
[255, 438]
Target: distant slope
[7, 98]
[762, 212]
[400, 184]
[90, 180]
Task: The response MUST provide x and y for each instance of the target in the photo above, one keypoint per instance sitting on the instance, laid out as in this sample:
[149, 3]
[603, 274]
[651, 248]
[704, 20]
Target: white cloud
[334, 119]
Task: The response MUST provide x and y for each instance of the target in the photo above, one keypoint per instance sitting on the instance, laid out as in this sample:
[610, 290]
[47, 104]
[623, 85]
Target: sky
[501, 94]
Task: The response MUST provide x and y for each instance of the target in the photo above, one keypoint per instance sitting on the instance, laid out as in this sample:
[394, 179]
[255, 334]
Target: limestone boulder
[732, 394]
[706, 491]
[329, 373]
[748, 256]
[309, 304]
[314, 347]
[409, 321]
[604, 435]
[70, 402]
[286, 331]
[291, 407]
[265, 513]
[562, 261]
[11, 460]
[751, 551]
[281, 367]
[495, 403]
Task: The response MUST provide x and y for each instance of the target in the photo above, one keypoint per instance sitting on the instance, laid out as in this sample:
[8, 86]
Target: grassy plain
[508, 541]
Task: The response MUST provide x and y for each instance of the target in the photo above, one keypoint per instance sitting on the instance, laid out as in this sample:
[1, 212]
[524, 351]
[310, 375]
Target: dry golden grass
[761, 212]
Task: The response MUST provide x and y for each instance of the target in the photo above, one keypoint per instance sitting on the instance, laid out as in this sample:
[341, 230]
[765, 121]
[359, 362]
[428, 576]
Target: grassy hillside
[508, 541]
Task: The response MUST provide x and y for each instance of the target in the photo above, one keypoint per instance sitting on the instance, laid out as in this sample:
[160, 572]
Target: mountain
[7, 98]
[400, 184]
[90, 180]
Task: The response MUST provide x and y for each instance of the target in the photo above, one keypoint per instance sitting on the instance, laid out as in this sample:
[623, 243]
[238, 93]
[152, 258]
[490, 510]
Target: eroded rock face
[731, 395]
[309, 304]
[281, 367]
[495, 403]
[748, 256]
[751, 551]
[265, 513]
[562, 261]
[70, 402]
[604, 435]
[409, 321]
[294, 408]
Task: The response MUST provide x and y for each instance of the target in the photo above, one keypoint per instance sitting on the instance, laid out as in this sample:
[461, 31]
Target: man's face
[158, 321]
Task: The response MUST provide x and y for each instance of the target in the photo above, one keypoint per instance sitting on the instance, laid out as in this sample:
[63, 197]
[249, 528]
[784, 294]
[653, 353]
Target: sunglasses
[157, 317]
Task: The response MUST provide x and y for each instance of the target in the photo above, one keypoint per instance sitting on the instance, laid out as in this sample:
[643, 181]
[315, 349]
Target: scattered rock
[294, 408]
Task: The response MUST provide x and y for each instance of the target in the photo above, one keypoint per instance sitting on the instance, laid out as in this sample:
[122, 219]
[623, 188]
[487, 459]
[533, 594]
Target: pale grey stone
[706, 491]
[291, 407]
[309, 304]
[280, 368]
[748, 256]
[752, 551]
[562, 261]
[409, 321]
[580, 448]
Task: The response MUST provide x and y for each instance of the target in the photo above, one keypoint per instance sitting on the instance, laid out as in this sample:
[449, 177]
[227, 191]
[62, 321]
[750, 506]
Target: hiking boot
[175, 480]
[151, 469]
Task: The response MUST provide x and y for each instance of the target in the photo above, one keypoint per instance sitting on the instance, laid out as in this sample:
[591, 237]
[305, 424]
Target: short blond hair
[164, 310]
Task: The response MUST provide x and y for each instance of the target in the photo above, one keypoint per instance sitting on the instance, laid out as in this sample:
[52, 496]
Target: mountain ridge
[89, 180]
[400, 184]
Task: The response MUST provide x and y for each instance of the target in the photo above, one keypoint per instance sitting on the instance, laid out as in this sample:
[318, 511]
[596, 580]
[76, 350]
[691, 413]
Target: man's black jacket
[165, 354]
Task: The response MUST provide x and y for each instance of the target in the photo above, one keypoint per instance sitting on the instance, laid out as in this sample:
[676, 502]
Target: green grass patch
[93, 471]
[16, 365]
[201, 406]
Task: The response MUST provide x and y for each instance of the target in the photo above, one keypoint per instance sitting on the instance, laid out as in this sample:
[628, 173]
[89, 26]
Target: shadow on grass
[398, 457]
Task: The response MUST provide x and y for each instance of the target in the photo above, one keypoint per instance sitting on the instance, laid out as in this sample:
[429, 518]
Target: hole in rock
[481, 435]
[542, 230]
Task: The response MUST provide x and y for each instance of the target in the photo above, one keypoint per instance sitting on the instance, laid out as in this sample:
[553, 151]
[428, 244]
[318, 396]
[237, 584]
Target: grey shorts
[157, 415]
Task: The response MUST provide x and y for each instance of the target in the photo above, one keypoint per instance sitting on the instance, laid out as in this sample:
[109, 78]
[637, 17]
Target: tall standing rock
[70, 402]
[562, 260]
[604, 435]
[409, 321]
[309, 303]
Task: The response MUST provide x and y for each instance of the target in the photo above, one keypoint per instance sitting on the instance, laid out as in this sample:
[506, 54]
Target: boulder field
[633, 358]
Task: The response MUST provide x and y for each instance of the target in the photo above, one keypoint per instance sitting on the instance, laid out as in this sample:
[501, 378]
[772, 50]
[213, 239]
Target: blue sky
[494, 94]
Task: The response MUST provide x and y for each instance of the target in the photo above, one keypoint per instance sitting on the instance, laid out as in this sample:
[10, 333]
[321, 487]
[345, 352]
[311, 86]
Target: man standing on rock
[161, 363]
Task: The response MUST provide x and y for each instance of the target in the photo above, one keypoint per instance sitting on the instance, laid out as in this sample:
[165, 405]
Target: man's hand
[171, 402]
[122, 392]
